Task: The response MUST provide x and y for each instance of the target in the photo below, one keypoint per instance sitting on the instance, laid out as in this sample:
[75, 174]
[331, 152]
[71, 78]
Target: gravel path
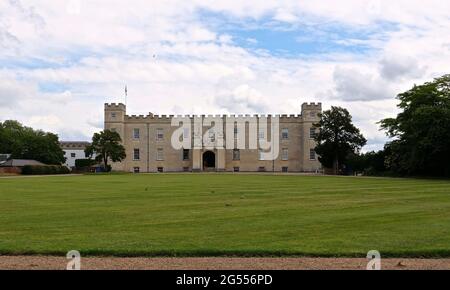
[55, 263]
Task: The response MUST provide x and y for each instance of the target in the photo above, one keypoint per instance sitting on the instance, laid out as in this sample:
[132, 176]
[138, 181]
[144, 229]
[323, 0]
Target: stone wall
[298, 144]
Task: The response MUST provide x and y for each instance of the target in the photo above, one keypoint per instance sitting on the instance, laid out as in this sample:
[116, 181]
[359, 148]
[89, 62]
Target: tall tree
[106, 145]
[421, 131]
[25, 143]
[337, 138]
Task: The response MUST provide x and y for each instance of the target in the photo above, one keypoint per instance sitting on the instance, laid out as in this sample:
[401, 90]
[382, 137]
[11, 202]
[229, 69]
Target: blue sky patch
[294, 40]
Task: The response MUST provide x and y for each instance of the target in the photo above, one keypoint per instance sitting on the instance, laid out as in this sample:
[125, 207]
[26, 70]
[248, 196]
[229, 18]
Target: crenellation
[114, 106]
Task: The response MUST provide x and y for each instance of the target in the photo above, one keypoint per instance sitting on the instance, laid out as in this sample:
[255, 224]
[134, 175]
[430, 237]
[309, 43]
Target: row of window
[261, 134]
[236, 154]
[74, 155]
[235, 169]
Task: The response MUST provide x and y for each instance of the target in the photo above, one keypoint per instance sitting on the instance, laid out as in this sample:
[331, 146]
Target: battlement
[153, 117]
[114, 106]
[311, 106]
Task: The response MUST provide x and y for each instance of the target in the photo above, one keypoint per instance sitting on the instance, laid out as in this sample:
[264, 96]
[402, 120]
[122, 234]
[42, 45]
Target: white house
[73, 151]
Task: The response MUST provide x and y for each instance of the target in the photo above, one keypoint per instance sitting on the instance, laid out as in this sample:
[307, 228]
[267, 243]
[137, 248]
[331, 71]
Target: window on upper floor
[136, 154]
[285, 134]
[113, 115]
[261, 155]
[186, 134]
[185, 154]
[136, 133]
[312, 154]
[159, 134]
[236, 155]
[261, 134]
[160, 154]
[212, 136]
[312, 133]
[73, 155]
[285, 154]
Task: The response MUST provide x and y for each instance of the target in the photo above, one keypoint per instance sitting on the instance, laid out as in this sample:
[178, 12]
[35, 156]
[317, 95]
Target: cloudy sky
[60, 60]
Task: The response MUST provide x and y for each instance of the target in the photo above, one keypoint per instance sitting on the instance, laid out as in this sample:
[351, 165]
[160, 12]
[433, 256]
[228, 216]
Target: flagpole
[126, 95]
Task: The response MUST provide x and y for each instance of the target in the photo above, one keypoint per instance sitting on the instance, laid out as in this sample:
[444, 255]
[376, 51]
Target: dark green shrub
[44, 170]
[83, 163]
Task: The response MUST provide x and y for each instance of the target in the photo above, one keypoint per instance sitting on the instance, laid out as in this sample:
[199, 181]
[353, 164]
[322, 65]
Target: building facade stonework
[149, 145]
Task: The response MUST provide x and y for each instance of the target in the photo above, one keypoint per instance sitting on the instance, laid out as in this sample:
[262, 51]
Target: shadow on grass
[437, 254]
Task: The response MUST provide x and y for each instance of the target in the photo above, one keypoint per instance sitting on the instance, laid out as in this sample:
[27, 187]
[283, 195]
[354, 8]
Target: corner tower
[310, 116]
[115, 121]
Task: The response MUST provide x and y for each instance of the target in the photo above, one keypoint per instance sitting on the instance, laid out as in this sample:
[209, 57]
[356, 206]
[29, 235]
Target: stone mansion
[149, 142]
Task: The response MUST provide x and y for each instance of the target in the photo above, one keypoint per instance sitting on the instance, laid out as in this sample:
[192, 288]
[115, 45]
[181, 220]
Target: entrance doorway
[209, 161]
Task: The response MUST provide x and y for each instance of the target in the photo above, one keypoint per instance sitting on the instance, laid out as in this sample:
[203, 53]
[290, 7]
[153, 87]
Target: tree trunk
[105, 161]
[336, 165]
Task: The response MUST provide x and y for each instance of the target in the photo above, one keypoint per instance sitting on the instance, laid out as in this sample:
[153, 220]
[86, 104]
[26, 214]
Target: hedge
[82, 163]
[44, 169]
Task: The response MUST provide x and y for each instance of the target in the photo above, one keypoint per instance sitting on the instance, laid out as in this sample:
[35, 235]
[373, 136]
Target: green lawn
[204, 215]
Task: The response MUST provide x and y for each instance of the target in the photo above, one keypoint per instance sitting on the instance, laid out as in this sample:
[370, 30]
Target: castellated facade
[149, 142]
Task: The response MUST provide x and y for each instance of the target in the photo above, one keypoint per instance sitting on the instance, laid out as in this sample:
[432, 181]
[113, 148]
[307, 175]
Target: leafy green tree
[106, 146]
[25, 143]
[337, 138]
[370, 163]
[421, 131]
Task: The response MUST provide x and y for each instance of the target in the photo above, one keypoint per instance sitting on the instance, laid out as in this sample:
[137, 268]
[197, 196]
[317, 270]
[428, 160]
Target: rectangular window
[261, 134]
[186, 133]
[262, 169]
[236, 155]
[236, 132]
[160, 169]
[160, 154]
[136, 154]
[285, 169]
[261, 155]
[285, 134]
[313, 114]
[285, 154]
[136, 133]
[136, 170]
[236, 169]
[159, 134]
[185, 154]
[212, 136]
[113, 115]
[312, 154]
[312, 133]
[73, 155]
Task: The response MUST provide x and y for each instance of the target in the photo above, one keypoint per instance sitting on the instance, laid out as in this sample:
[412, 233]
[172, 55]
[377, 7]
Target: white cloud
[175, 62]
[353, 85]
